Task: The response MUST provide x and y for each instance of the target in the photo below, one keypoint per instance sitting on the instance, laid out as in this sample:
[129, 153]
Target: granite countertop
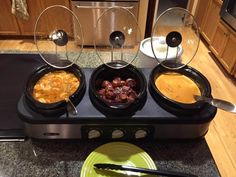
[48, 158]
[89, 59]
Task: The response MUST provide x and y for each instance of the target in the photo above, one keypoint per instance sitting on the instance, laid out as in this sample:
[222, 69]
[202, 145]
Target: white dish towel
[19, 9]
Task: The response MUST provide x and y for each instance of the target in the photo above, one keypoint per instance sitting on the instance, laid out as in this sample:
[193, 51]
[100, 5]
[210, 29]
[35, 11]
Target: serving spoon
[221, 104]
[71, 107]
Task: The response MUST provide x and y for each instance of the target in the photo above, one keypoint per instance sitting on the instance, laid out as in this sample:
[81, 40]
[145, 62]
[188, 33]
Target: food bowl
[180, 83]
[106, 73]
[172, 105]
[116, 87]
[60, 58]
[59, 107]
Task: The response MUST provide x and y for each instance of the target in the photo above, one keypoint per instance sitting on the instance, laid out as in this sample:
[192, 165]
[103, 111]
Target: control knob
[140, 134]
[94, 134]
[117, 134]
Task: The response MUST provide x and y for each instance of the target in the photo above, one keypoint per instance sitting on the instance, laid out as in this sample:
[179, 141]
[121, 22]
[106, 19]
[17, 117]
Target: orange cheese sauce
[55, 86]
[177, 87]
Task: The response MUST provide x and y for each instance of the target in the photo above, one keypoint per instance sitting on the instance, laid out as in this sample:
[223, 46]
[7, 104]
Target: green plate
[117, 153]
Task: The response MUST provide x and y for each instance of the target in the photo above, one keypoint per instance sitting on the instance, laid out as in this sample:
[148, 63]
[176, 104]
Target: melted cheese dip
[55, 86]
[177, 87]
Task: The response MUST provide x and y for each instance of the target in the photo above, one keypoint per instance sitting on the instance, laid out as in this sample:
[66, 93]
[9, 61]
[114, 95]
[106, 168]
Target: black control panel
[117, 132]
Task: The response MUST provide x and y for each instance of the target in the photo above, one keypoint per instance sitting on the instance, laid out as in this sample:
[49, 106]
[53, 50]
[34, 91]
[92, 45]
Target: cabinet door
[8, 24]
[35, 7]
[201, 11]
[219, 40]
[235, 71]
[211, 20]
[65, 22]
[228, 58]
[27, 26]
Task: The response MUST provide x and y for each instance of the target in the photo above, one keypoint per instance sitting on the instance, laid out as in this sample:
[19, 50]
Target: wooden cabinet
[228, 58]
[8, 23]
[235, 72]
[219, 40]
[223, 46]
[64, 18]
[27, 26]
[219, 36]
[200, 14]
[211, 19]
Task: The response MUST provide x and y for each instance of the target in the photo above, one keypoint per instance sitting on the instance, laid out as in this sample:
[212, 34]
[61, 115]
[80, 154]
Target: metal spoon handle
[225, 105]
[71, 107]
[221, 104]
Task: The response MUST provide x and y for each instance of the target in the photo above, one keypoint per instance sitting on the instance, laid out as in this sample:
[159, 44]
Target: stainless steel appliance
[89, 11]
[228, 12]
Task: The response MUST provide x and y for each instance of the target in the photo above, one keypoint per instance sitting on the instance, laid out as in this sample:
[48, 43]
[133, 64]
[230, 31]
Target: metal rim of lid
[35, 36]
[197, 33]
[122, 64]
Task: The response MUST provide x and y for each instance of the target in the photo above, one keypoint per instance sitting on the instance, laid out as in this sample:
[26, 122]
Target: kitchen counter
[44, 158]
[221, 135]
[47, 158]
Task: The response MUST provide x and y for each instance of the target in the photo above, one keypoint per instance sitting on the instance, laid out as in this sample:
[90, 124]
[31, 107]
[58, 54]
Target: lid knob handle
[59, 37]
[117, 39]
[173, 39]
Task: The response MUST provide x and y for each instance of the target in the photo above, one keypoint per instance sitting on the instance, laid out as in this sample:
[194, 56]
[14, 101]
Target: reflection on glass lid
[175, 38]
[121, 44]
[55, 42]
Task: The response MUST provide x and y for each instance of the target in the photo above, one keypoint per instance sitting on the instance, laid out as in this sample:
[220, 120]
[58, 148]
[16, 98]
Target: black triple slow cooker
[151, 115]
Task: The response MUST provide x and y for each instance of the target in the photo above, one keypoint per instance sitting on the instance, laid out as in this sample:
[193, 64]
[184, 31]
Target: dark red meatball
[122, 82]
[123, 97]
[116, 82]
[125, 88]
[105, 83]
[101, 91]
[118, 90]
[110, 94]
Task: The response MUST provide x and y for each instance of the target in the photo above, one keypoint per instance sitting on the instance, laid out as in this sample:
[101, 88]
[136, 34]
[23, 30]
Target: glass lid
[120, 44]
[175, 38]
[54, 39]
